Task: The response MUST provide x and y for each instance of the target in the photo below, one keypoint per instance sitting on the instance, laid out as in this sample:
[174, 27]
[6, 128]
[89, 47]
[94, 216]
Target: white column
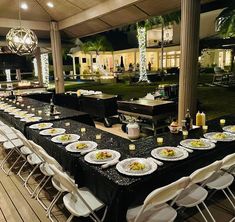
[74, 67]
[39, 66]
[57, 57]
[8, 74]
[190, 19]
[18, 74]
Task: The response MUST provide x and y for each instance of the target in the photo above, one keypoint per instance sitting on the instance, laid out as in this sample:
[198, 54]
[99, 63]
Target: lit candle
[47, 114]
[33, 109]
[98, 136]
[205, 128]
[131, 146]
[160, 140]
[57, 117]
[83, 130]
[67, 124]
[28, 107]
[22, 105]
[17, 103]
[185, 134]
[222, 121]
[39, 112]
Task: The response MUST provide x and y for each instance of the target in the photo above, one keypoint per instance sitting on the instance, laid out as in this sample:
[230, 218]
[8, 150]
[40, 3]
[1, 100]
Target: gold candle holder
[83, 130]
[67, 124]
[159, 140]
[131, 146]
[205, 128]
[98, 136]
[222, 122]
[185, 134]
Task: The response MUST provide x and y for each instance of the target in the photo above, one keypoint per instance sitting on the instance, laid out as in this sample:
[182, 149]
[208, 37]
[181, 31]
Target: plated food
[40, 126]
[81, 146]
[197, 144]
[65, 138]
[136, 167]
[220, 136]
[52, 132]
[102, 156]
[169, 153]
[230, 129]
[32, 119]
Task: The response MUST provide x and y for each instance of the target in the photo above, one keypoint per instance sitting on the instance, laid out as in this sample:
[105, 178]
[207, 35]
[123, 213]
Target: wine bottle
[188, 120]
[52, 106]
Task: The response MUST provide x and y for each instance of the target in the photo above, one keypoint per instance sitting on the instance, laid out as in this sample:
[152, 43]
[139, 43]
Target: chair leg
[105, 212]
[19, 172]
[231, 193]
[229, 199]
[39, 191]
[39, 184]
[201, 213]
[52, 204]
[6, 157]
[9, 170]
[27, 179]
[70, 218]
[208, 212]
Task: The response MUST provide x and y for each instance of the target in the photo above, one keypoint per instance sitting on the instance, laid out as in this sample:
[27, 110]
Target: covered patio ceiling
[79, 18]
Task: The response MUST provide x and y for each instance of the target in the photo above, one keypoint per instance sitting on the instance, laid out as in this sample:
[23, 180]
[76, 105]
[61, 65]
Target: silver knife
[86, 151]
[111, 163]
[159, 163]
[184, 148]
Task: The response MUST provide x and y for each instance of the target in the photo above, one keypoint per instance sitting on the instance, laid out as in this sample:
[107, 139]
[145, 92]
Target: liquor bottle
[188, 120]
[203, 119]
[52, 106]
[198, 119]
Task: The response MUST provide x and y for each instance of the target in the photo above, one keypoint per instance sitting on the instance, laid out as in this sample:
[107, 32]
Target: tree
[99, 43]
[225, 26]
[142, 27]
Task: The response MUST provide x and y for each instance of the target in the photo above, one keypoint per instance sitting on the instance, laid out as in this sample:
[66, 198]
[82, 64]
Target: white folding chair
[34, 160]
[195, 194]
[155, 207]
[48, 173]
[12, 145]
[221, 180]
[80, 202]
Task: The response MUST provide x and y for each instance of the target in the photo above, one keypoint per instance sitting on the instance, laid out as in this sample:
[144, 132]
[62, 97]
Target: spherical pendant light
[21, 41]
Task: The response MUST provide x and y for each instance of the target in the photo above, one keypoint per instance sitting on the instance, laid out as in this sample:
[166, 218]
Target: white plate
[52, 132]
[187, 143]
[26, 116]
[73, 138]
[91, 157]
[4, 107]
[32, 119]
[20, 114]
[72, 146]
[41, 126]
[229, 137]
[10, 109]
[180, 154]
[230, 129]
[13, 112]
[124, 167]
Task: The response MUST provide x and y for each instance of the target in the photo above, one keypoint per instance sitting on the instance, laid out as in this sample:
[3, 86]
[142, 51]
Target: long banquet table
[119, 191]
[64, 113]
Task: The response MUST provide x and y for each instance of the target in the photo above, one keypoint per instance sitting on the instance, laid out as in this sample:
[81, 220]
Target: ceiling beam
[14, 23]
[95, 12]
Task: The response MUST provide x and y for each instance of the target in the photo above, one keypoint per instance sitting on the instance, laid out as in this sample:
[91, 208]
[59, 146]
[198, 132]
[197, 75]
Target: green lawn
[215, 101]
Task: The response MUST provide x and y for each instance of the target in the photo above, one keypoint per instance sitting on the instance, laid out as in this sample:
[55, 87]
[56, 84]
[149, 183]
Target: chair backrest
[228, 161]
[36, 148]
[164, 194]
[70, 186]
[204, 173]
[22, 138]
[49, 159]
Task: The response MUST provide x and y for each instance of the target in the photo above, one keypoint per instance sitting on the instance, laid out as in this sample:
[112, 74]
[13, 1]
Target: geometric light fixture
[21, 41]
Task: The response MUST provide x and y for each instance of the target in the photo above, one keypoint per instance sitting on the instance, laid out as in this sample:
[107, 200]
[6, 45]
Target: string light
[45, 69]
[141, 35]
